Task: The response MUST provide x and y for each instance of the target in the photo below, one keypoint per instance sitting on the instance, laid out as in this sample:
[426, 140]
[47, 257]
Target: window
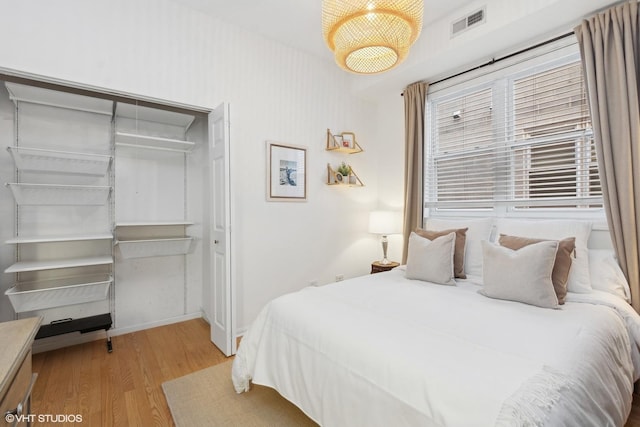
[517, 139]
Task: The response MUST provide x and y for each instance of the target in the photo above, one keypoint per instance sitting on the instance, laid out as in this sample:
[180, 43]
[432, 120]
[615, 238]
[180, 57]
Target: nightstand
[377, 267]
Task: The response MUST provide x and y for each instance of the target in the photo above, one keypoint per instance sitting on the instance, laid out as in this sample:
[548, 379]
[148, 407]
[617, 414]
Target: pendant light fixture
[371, 36]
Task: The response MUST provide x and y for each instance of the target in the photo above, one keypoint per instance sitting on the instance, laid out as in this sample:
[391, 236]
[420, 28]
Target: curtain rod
[502, 58]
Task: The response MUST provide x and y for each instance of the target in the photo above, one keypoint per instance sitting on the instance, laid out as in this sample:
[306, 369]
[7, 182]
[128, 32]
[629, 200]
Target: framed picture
[286, 172]
[348, 139]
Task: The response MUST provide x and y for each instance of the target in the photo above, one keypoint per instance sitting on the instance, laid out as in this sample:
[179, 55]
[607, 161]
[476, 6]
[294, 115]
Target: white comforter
[381, 350]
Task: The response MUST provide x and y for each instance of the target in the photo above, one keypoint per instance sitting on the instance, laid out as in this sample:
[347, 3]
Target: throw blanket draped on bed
[382, 350]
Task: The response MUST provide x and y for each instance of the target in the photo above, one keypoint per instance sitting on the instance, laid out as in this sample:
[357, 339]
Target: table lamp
[385, 223]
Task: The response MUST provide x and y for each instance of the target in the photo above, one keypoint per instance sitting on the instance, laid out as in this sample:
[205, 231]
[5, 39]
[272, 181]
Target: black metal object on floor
[82, 325]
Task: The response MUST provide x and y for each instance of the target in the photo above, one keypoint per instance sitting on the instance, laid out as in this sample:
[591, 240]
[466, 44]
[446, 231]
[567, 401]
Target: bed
[383, 349]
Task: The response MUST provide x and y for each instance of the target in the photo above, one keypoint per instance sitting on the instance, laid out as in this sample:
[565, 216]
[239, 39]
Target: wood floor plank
[124, 388]
[150, 381]
[93, 384]
[73, 358]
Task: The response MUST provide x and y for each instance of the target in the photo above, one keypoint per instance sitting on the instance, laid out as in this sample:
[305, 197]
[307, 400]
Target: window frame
[501, 79]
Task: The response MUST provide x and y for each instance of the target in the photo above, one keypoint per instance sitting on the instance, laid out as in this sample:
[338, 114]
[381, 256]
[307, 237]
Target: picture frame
[348, 139]
[286, 172]
[338, 140]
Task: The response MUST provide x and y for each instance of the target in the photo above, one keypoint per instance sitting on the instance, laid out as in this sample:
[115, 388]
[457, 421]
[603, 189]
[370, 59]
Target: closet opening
[106, 210]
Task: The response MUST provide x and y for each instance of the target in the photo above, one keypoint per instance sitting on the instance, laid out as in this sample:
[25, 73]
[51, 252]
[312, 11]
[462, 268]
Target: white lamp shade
[385, 222]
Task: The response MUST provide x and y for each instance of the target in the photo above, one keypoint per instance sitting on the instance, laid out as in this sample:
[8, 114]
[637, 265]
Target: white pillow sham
[431, 260]
[523, 275]
[578, 280]
[478, 230]
[606, 274]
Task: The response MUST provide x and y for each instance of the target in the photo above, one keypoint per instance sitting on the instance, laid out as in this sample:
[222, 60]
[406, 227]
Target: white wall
[160, 49]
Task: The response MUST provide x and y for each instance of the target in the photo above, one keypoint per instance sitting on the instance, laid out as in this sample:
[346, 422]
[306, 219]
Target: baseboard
[204, 316]
[128, 329]
[239, 333]
[74, 338]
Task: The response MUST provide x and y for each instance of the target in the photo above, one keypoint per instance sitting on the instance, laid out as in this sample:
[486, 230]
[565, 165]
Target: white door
[222, 295]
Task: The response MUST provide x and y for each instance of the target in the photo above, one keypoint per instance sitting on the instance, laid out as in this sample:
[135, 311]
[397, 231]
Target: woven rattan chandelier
[371, 36]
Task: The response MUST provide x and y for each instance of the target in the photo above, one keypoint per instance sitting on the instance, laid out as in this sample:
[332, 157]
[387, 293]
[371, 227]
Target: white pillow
[431, 260]
[606, 274]
[523, 275]
[479, 229]
[578, 280]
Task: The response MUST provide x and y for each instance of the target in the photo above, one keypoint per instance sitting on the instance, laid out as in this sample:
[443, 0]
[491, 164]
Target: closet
[104, 212]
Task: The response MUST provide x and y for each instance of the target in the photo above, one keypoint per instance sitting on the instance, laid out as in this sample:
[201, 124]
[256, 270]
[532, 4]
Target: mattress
[383, 350]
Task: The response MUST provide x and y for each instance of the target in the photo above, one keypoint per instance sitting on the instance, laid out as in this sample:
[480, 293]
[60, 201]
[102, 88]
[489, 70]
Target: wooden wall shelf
[335, 178]
[335, 144]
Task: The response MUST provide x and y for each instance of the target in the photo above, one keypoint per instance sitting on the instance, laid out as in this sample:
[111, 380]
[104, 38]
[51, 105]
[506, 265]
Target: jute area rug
[207, 398]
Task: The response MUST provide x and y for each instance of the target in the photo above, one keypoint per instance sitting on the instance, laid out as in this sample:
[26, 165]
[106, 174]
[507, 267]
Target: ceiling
[510, 25]
[296, 23]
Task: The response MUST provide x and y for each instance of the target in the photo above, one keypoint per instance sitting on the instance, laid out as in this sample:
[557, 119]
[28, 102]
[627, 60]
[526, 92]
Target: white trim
[203, 314]
[103, 90]
[239, 333]
[597, 215]
[142, 326]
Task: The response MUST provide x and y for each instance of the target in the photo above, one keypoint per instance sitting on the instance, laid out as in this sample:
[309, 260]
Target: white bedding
[382, 350]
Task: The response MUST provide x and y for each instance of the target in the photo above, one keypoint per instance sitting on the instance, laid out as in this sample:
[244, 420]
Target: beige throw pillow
[431, 260]
[479, 230]
[579, 279]
[561, 266]
[523, 275]
[458, 254]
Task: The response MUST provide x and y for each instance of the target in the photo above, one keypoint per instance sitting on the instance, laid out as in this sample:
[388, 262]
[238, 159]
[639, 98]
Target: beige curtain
[609, 43]
[415, 96]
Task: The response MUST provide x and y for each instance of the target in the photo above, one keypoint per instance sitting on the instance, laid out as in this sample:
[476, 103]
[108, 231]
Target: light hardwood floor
[123, 388]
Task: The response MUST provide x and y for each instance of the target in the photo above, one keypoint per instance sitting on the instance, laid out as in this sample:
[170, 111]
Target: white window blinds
[518, 140]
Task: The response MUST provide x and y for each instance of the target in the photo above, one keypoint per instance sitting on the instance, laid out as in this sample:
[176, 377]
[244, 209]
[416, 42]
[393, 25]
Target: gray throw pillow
[566, 249]
[523, 275]
[431, 260]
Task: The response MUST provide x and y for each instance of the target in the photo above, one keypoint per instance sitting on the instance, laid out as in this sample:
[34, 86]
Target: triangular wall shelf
[335, 178]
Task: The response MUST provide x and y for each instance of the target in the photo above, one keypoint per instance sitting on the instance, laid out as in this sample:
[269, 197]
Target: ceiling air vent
[475, 18]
